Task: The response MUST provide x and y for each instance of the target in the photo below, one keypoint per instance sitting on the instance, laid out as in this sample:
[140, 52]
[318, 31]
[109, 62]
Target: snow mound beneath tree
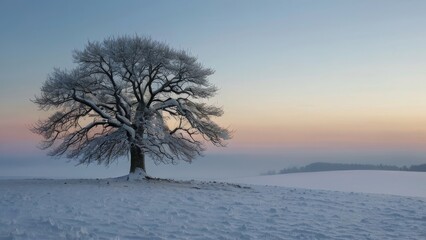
[154, 209]
[138, 175]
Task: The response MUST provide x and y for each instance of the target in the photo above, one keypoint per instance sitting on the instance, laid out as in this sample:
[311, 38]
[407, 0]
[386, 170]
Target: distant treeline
[322, 166]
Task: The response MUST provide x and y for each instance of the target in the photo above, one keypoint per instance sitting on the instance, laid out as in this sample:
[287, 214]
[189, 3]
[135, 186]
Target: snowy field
[400, 183]
[118, 209]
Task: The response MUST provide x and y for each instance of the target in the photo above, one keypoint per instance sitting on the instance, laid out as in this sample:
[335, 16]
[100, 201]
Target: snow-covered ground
[118, 209]
[365, 181]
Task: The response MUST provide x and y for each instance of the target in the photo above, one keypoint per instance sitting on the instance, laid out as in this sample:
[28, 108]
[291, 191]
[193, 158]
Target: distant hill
[322, 166]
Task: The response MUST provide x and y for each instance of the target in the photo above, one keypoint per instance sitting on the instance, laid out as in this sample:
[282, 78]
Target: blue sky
[343, 78]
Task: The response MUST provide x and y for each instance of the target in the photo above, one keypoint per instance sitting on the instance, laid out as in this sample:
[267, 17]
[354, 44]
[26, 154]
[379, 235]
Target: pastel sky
[300, 77]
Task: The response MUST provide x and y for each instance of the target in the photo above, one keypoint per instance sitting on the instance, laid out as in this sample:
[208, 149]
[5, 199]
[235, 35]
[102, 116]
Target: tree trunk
[137, 159]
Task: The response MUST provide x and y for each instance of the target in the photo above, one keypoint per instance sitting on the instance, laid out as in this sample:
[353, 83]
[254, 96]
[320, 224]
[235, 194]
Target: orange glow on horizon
[402, 128]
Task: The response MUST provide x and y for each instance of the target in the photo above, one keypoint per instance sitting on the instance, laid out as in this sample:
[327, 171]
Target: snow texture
[119, 209]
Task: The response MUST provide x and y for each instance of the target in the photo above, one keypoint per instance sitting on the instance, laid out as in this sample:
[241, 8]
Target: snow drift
[365, 181]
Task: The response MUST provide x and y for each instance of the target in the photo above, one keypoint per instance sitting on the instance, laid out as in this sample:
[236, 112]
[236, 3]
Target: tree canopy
[130, 95]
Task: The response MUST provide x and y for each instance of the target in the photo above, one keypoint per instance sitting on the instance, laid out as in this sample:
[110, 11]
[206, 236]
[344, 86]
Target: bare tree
[129, 95]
